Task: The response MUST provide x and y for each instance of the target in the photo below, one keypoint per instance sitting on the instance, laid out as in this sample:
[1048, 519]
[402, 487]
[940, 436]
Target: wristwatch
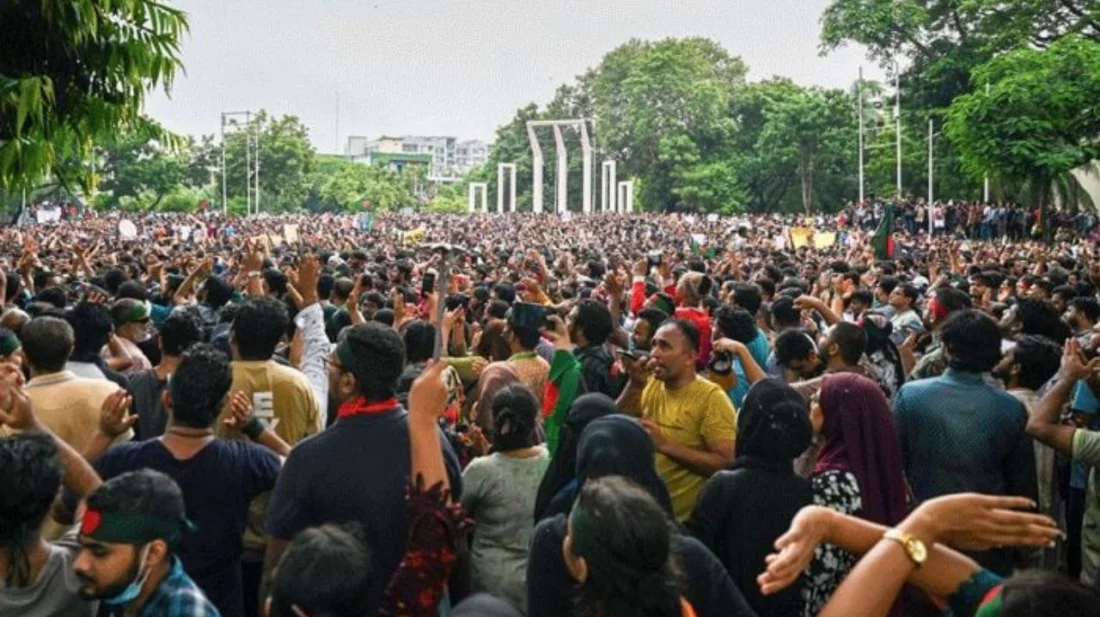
[914, 546]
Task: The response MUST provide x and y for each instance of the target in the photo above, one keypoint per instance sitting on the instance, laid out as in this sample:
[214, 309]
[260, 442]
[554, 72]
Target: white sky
[454, 67]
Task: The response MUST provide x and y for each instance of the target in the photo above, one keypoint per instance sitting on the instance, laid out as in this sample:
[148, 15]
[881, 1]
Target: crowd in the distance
[605, 416]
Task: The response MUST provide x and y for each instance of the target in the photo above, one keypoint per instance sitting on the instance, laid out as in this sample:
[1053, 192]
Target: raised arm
[1044, 422]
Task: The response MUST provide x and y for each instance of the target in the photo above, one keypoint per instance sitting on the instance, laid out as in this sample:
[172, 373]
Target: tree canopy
[73, 72]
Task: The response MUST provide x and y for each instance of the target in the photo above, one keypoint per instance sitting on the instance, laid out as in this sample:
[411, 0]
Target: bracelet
[254, 428]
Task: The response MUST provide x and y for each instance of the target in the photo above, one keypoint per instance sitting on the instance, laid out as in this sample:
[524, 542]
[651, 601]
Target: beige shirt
[278, 393]
[69, 406]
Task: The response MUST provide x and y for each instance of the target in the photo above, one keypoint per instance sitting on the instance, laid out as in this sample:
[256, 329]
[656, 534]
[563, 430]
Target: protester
[132, 529]
[959, 433]
[499, 492]
[742, 511]
[590, 314]
[689, 418]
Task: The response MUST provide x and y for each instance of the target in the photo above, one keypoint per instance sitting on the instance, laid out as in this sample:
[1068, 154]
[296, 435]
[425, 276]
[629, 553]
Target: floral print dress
[839, 491]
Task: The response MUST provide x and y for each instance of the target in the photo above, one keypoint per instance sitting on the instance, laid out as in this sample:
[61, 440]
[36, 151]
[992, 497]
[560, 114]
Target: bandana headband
[9, 343]
[122, 528]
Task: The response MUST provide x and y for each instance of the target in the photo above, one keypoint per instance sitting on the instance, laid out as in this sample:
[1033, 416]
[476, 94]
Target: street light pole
[225, 204]
[931, 154]
[985, 183]
[897, 118]
[248, 161]
[859, 93]
[257, 145]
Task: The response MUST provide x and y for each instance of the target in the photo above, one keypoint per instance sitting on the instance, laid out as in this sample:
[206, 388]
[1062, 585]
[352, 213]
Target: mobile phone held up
[427, 284]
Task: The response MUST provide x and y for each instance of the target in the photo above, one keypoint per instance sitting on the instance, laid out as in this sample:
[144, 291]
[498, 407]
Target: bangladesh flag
[883, 240]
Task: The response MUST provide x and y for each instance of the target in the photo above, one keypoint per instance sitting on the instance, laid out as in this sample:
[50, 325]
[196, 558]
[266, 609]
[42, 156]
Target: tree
[351, 183]
[137, 167]
[644, 93]
[939, 42]
[1038, 121]
[73, 72]
[286, 159]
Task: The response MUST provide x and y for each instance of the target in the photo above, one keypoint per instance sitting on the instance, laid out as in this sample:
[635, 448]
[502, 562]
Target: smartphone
[654, 258]
[633, 355]
[427, 284]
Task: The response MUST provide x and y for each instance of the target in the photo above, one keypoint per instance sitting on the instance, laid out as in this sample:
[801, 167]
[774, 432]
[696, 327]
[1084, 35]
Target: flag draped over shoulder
[883, 240]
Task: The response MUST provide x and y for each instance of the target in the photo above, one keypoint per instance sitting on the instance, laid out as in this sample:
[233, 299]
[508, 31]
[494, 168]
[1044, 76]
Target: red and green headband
[127, 528]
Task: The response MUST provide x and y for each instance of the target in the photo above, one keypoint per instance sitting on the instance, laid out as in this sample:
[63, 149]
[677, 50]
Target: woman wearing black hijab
[563, 467]
[742, 511]
[617, 445]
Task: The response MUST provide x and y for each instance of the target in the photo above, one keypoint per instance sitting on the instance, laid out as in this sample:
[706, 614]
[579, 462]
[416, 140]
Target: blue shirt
[177, 596]
[960, 434]
[758, 347]
[1085, 402]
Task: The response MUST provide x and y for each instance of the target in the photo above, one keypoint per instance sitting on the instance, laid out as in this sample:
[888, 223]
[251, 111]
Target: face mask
[133, 590]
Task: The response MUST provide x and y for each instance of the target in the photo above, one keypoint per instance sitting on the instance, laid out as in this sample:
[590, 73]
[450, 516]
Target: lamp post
[250, 141]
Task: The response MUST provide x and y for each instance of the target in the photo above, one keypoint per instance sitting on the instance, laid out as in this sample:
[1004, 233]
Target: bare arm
[1043, 423]
[715, 457]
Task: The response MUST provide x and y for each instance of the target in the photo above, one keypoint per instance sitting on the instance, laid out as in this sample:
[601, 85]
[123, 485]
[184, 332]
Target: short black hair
[182, 329]
[952, 299]
[972, 341]
[379, 356]
[688, 329]
[218, 292]
[497, 309]
[324, 286]
[594, 320]
[276, 281]
[747, 296]
[655, 317]
[1056, 593]
[735, 322]
[326, 570]
[505, 291]
[851, 339]
[92, 327]
[134, 290]
[1068, 292]
[48, 343]
[863, 296]
[792, 345]
[1088, 307]
[910, 292]
[199, 385]
[341, 289]
[113, 279]
[1039, 359]
[419, 341]
[887, 284]
[1038, 316]
[54, 295]
[258, 327]
[384, 316]
[28, 486]
[783, 312]
[143, 492]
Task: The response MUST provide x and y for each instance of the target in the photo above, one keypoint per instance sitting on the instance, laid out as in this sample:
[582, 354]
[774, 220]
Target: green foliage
[73, 72]
[1038, 120]
[350, 183]
[286, 159]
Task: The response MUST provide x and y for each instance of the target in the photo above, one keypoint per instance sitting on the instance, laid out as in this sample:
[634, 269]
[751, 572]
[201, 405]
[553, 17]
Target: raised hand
[114, 415]
[240, 410]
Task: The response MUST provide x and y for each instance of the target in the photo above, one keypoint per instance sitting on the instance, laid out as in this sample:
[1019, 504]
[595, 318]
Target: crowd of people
[606, 416]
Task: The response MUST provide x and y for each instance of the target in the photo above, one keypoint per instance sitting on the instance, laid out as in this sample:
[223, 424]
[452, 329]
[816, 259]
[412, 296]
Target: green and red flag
[883, 240]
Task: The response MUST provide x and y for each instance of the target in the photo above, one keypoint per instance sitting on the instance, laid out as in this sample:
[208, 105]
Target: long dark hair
[625, 539]
[515, 413]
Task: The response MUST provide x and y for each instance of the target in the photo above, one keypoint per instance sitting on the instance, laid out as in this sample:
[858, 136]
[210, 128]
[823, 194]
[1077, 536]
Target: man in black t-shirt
[218, 477]
[358, 468]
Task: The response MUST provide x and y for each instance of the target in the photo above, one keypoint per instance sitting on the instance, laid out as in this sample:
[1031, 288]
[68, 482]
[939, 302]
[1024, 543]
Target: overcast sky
[453, 67]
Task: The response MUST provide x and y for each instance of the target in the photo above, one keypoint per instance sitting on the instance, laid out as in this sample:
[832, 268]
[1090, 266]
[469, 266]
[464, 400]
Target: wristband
[254, 428]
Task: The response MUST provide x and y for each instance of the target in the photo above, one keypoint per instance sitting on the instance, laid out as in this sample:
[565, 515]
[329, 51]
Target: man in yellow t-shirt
[690, 419]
